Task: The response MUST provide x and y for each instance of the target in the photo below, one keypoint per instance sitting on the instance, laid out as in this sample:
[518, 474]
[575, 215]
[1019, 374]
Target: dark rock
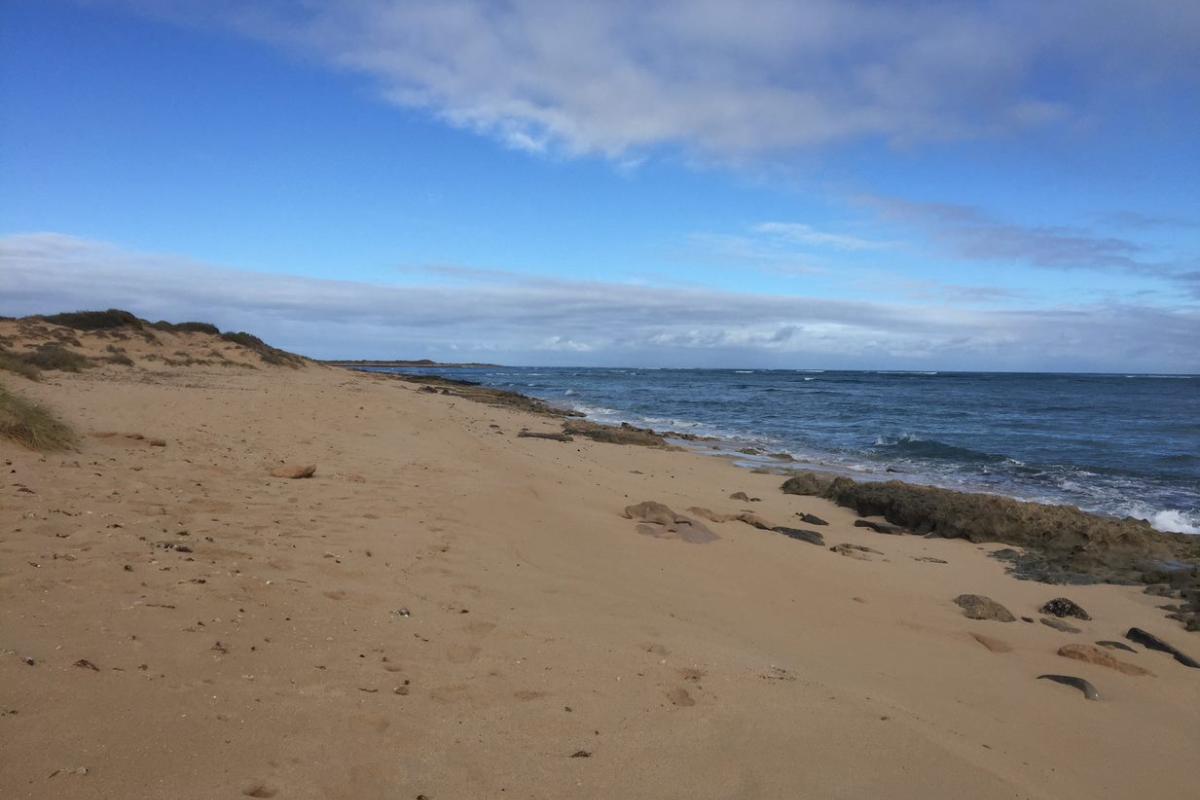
[1152, 642]
[1086, 687]
[812, 537]
[581, 754]
[1059, 625]
[811, 519]
[976, 606]
[1027, 619]
[1111, 645]
[1062, 607]
[83, 663]
[878, 527]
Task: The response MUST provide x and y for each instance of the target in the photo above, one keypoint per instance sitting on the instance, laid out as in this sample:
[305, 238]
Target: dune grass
[55, 356]
[33, 425]
[11, 362]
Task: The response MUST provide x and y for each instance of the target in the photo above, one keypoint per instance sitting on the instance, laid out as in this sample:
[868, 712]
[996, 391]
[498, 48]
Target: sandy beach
[447, 610]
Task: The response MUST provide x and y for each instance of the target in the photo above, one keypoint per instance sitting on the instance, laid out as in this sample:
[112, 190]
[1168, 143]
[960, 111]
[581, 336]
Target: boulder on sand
[976, 606]
[1094, 655]
[1062, 607]
[661, 522]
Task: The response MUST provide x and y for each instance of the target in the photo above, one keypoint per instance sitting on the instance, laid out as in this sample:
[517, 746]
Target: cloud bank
[731, 80]
[512, 318]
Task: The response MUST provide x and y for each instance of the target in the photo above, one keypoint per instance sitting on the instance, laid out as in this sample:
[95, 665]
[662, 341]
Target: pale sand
[540, 622]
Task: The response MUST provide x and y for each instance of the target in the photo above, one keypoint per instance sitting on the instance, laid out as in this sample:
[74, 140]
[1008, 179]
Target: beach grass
[11, 362]
[33, 425]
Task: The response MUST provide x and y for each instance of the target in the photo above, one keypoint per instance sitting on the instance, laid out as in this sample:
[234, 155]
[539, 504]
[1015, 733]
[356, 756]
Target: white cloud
[504, 316]
[801, 233]
[730, 79]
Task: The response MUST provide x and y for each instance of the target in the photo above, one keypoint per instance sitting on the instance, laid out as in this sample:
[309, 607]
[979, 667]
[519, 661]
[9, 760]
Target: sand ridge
[447, 609]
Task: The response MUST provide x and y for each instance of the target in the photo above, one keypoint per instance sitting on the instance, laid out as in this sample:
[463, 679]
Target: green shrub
[56, 357]
[95, 320]
[186, 327]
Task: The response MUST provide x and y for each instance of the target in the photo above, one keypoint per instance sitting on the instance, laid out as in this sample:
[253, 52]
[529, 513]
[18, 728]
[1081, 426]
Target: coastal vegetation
[32, 424]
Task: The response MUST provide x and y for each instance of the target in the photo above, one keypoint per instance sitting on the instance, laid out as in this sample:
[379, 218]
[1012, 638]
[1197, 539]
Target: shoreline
[755, 452]
[449, 608]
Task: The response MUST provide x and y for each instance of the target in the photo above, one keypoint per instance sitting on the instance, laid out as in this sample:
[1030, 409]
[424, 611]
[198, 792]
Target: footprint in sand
[260, 790]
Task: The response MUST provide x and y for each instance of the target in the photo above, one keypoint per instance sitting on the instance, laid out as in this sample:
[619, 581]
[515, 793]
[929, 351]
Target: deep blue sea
[1114, 444]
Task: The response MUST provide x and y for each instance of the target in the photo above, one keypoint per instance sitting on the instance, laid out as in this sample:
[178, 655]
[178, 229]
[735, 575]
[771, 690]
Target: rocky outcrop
[1060, 544]
[976, 606]
[614, 434]
[554, 437]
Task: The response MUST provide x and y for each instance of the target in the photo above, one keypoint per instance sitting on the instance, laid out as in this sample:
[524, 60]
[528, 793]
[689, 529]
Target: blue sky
[808, 184]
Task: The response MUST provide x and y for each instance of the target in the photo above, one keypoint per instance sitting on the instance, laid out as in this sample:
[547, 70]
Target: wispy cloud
[729, 79]
[801, 233]
[546, 320]
[969, 233]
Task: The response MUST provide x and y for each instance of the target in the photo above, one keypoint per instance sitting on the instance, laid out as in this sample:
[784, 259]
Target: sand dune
[447, 610]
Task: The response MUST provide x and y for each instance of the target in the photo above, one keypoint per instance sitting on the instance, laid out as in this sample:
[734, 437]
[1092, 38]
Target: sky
[811, 184]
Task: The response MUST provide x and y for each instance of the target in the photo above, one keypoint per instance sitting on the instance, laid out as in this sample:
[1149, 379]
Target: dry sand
[448, 611]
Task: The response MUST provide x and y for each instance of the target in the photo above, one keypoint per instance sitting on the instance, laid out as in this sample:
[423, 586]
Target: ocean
[1120, 445]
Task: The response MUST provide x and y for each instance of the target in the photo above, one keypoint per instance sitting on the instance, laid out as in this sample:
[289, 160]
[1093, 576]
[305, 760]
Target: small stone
[581, 754]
